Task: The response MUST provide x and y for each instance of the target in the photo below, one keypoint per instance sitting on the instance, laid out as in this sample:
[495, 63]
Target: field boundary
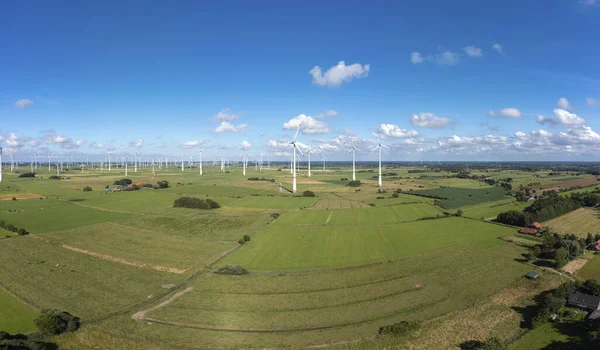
[112, 258]
[385, 241]
[96, 208]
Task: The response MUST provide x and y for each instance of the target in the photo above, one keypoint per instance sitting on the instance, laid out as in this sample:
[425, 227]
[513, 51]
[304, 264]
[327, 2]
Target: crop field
[579, 222]
[489, 210]
[385, 215]
[15, 316]
[458, 197]
[263, 202]
[591, 270]
[283, 247]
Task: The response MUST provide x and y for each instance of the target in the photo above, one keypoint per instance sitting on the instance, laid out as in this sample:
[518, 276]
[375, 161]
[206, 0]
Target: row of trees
[195, 203]
[12, 228]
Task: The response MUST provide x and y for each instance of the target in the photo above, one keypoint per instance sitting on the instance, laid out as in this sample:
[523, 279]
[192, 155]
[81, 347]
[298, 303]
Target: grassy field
[283, 247]
[580, 222]
[489, 210]
[263, 202]
[15, 317]
[459, 197]
[549, 336]
[591, 270]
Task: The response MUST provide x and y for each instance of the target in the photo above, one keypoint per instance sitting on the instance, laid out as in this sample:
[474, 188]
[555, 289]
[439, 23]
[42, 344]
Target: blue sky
[467, 80]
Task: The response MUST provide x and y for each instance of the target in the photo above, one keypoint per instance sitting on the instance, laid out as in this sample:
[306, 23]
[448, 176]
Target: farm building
[595, 246]
[536, 225]
[584, 301]
[532, 275]
[529, 231]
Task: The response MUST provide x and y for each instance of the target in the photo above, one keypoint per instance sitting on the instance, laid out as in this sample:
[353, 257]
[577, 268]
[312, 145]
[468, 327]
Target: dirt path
[575, 265]
[141, 315]
[113, 259]
[329, 217]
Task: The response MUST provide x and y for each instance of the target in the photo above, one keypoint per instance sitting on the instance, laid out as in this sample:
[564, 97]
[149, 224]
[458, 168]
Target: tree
[459, 212]
[591, 287]
[87, 189]
[537, 251]
[123, 182]
[246, 238]
[308, 193]
[163, 184]
[515, 218]
[561, 257]
[590, 239]
[52, 322]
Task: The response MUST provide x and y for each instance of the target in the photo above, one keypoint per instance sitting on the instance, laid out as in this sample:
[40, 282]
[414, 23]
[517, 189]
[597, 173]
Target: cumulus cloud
[429, 120]
[309, 125]
[22, 103]
[564, 103]
[225, 115]
[394, 131]
[110, 148]
[339, 74]
[507, 113]
[498, 47]
[447, 58]
[562, 117]
[96, 145]
[416, 57]
[226, 126]
[193, 144]
[139, 143]
[246, 145]
[13, 141]
[331, 113]
[473, 51]
[520, 135]
[592, 101]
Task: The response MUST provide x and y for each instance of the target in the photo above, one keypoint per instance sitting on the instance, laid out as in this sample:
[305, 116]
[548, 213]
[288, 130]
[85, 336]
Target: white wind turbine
[135, 161]
[379, 146]
[200, 153]
[182, 166]
[295, 146]
[323, 157]
[244, 160]
[353, 150]
[309, 152]
[1, 164]
[125, 166]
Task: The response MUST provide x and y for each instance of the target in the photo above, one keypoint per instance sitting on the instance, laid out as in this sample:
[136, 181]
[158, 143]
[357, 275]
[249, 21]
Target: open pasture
[218, 225]
[339, 201]
[15, 316]
[153, 248]
[46, 215]
[316, 247]
[50, 276]
[591, 270]
[274, 202]
[579, 222]
[385, 215]
[453, 198]
[489, 210]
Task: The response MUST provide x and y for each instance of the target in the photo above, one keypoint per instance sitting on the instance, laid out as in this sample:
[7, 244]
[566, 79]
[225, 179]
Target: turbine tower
[323, 157]
[182, 163]
[0, 164]
[295, 146]
[309, 152]
[379, 146]
[200, 162]
[353, 150]
[135, 161]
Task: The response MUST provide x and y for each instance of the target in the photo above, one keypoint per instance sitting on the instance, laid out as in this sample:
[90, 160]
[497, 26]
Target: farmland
[579, 222]
[325, 269]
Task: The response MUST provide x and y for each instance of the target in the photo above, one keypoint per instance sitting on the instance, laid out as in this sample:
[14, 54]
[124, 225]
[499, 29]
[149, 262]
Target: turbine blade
[376, 147]
[298, 148]
[297, 130]
[350, 150]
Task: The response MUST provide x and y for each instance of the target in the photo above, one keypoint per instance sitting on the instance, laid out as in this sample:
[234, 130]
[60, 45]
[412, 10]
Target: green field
[316, 247]
[15, 316]
[453, 197]
[263, 202]
[579, 222]
[591, 270]
[489, 210]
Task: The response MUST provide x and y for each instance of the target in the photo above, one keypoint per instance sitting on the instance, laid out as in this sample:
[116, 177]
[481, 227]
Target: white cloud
[498, 47]
[592, 101]
[22, 103]
[56, 139]
[394, 131]
[416, 57]
[564, 103]
[110, 148]
[331, 113]
[139, 143]
[520, 135]
[261, 134]
[508, 113]
[192, 144]
[246, 145]
[96, 145]
[589, 2]
[492, 113]
[224, 115]
[13, 141]
[563, 118]
[309, 125]
[226, 126]
[339, 74]
[429, 120]
[447, 58]
[473, 51]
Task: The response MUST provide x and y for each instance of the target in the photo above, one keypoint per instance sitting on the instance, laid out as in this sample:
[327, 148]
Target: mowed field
[15, 316]
[579, 222]
[489, 210]
[453, 197]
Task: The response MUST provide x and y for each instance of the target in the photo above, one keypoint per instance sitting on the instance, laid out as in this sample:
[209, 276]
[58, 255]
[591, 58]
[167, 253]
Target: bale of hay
[236, 270]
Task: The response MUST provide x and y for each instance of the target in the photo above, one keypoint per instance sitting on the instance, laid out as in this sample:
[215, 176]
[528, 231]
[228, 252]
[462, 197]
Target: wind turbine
[309, 152]
[323, 157]
[0, 164]
[295, 146]
[379, 146]
[135, 161]
[200, 153]
[125, 166]
[182, 163]
[108, 161]
[353, 150]
[244, 161]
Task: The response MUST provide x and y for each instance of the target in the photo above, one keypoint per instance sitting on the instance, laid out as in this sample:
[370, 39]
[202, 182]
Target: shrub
[395, 195]
[54, 177]
[308, 194]
[163, 184]
[195, 203]
[246, 238]
[400, 328]
[22, 232]
[148, 185]
[27, 175]
[354, 183]
[22, 342]
[372, 204]
[231, 270]
[459, 212]
[275, 215]
[11, 228]
[380, 197]
[14, 198]
[2, 224]
[241, 241]
[52, 322]
[87, 189]
[123, 182]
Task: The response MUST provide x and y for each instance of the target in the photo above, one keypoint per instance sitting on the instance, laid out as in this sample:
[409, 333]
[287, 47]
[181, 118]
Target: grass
[126, 242]
[385, 215]
[263, 202]
[15, 317]
[48, 215]
[459, 197]
[579, 222]
[49, 276]
[550, 336]
[591, 270]
[489, 210]
[315, 247]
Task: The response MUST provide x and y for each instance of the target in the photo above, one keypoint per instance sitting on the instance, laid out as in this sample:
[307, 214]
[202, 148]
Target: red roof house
[536, 225]
[528, 231]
